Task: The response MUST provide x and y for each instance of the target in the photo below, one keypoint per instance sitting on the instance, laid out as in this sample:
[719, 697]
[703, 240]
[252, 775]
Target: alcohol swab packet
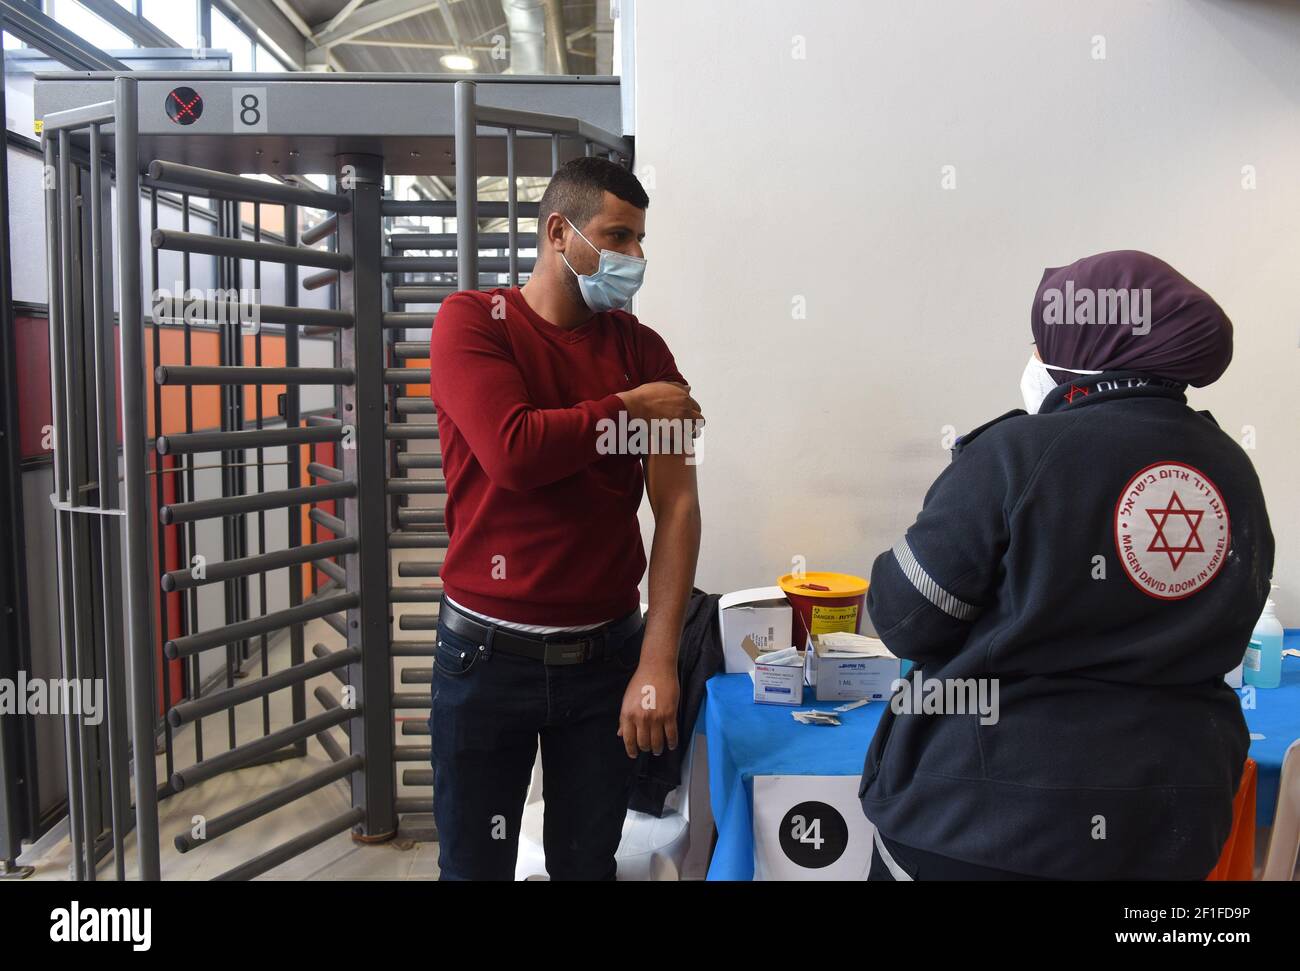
[853, 704]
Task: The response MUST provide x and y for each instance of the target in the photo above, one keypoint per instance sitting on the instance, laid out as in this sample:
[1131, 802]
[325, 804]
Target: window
[226, 36]
[178, 19]
[87, 26]
[266, 61]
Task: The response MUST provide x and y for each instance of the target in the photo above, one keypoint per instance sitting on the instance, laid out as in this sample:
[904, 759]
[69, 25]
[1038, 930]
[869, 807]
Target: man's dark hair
[578, 186]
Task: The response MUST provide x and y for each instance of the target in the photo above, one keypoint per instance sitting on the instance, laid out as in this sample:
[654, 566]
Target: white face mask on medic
[1036, 383]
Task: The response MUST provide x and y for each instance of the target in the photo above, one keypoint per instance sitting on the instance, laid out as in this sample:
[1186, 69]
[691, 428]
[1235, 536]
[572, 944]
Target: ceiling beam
[276, 19]
[372, 16]
[337, 20]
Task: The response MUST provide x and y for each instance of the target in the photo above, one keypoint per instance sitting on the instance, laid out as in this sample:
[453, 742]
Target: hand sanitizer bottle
[1263, 664]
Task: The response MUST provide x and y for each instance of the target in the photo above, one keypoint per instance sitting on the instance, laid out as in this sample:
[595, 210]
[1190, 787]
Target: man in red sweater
[540, 635]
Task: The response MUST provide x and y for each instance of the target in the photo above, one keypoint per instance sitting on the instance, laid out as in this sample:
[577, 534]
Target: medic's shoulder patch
[1171, 530]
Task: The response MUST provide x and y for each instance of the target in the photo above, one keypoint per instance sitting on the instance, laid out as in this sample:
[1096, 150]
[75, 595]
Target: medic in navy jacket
[1102, 562]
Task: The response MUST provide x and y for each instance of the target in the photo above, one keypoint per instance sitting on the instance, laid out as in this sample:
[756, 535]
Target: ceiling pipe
[556, 42]
[527, 22]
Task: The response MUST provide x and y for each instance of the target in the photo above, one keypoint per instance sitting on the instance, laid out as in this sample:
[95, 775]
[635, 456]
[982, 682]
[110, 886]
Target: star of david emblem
[1160, 519]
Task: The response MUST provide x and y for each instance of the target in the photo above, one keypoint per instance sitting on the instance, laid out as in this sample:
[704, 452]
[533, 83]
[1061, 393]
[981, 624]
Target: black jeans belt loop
[564, 647]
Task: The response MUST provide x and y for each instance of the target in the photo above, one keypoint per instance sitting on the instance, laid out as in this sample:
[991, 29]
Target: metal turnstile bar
[410, 460]
[413, 406]
[447, 207]
[321, 518]
[171, 374]
[188, 178]
[339, 624]
[253, 565]
[421, 517]
[334, 572]
[230, 311]
[266, 624]
[328, 472]
[419, 294]
[407, 699]
[241, 755]
[314, 234]
[418, 568]
[252, 438]
[187, 711]
[550, 124]
[447, 241]
[412, 648]
[291, 848]
[418, 622]
[406, 350]
[407, 375]
[414, 595]
[404, 432]
[447, 264]
[261, 806]
[403, 486]
[99, 113]
[244, 249]
[184, 512]
[404, 540]
[322, 279]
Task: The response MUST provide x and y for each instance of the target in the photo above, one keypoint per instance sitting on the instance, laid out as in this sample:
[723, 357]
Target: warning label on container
[830, 620]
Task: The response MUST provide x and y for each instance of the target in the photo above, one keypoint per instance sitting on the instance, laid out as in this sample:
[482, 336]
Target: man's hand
[649, 716]
[662, 399]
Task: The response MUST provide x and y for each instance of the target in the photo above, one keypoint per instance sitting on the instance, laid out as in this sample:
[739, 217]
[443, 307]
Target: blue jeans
[488, 711]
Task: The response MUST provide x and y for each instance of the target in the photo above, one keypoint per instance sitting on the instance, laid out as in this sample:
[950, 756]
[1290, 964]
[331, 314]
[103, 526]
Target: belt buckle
[567, 652]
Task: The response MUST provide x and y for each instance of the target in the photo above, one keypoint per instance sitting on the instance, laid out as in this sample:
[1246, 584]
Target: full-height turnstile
[131, 560]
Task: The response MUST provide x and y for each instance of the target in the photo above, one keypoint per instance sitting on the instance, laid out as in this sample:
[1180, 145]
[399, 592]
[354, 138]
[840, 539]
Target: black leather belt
[562, 647]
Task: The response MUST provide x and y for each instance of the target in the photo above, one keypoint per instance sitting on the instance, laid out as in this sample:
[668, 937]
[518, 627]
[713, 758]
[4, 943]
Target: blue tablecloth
[746, 739]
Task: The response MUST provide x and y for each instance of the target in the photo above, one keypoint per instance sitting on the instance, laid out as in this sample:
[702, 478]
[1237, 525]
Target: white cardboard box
[847, 676]
[752, 622]
[778, 684]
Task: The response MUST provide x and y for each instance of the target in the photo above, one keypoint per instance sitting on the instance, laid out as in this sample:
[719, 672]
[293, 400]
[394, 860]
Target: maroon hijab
[1128, 311]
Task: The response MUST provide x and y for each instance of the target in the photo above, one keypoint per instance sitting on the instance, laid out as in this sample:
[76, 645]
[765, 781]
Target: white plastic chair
[652, 847]
[1284, 841]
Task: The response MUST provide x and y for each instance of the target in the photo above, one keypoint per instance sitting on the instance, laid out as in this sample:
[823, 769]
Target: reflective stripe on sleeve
[926, 586]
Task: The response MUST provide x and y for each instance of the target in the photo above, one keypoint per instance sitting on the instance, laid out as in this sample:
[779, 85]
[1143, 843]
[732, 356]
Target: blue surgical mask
[616, 280]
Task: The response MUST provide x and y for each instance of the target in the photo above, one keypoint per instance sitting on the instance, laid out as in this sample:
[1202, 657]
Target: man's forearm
[673, 556]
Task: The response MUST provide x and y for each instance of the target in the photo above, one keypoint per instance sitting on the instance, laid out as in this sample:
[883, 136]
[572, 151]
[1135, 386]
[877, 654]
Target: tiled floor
[338, 858]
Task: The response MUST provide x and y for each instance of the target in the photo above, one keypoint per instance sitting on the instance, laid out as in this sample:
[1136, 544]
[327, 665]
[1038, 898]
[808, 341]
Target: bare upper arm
[670, 481]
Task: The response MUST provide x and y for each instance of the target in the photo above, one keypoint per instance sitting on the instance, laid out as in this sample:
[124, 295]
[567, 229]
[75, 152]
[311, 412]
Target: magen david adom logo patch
[1171, 530]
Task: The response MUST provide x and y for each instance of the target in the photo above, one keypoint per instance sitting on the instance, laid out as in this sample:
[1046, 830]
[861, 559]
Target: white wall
[774, 177]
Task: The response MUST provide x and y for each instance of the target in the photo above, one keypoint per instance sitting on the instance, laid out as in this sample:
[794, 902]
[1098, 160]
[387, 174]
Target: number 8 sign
[249, 109]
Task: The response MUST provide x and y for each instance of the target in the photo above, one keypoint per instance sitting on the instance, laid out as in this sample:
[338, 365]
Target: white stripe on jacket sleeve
[926, 586]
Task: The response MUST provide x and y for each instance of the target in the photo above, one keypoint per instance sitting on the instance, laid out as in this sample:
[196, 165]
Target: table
[760, 757]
